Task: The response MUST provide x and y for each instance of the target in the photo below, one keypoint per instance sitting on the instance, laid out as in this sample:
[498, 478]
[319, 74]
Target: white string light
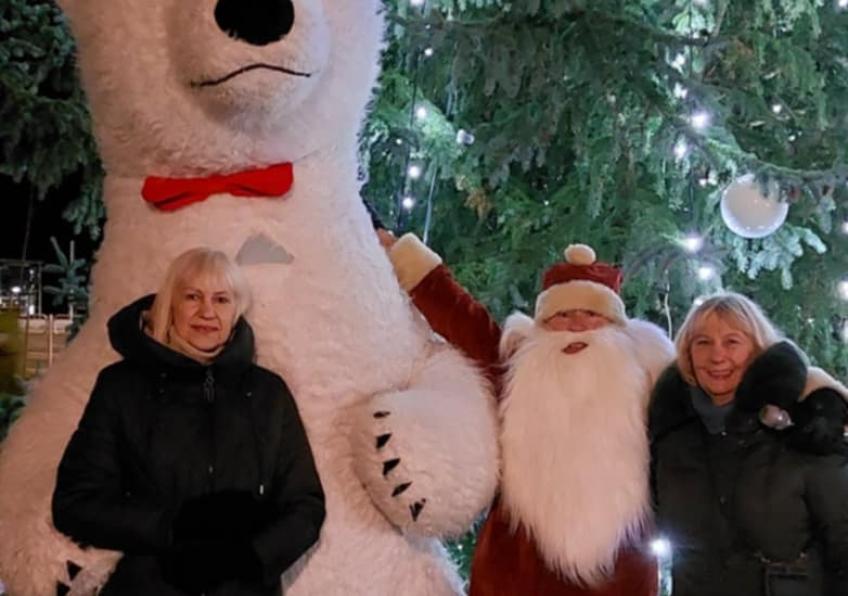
[692, 243]
[421, 112]
[842, 289]
[700, 120]
[777, 108]
[661, 548]
[414, 171]
[408, 203]
[681, 148]
[706, 272]
[428, 52]
[416, 2]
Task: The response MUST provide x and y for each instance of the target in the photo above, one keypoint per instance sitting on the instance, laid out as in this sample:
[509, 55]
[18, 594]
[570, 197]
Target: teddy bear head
[178, 88]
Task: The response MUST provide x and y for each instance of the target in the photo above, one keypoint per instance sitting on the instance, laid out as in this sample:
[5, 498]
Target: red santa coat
[505, 563]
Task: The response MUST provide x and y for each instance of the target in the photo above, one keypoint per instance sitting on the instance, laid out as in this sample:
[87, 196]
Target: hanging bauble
[748, 212]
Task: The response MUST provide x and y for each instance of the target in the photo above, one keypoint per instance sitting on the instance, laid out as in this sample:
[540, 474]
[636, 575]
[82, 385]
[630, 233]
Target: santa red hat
[581, 283]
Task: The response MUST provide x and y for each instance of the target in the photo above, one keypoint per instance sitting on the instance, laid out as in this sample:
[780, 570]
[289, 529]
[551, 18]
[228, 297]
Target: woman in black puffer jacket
[190, 458]
[750, 510]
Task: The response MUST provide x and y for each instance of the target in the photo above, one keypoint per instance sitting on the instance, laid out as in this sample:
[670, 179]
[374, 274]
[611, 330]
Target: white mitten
[427, 454]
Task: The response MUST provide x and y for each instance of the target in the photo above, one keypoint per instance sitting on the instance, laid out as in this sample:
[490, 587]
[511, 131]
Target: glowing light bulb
[700, 120]
[842, 289]
[414, 172]
[692, 243]
[421, 112]
[681, 148]
[707, 272]
[661, 548]
[428, 52]
[408, 203]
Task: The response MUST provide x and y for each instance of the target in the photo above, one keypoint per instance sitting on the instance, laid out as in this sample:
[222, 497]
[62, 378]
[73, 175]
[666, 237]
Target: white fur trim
[574, 448]
[818, 378]
[440, 438]
[652, 346]
[413, 260]
[516, 329]
[580, 254]
[580, 295]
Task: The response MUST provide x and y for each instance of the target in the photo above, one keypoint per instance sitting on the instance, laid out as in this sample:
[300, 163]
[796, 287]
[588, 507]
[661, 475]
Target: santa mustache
[567, 343]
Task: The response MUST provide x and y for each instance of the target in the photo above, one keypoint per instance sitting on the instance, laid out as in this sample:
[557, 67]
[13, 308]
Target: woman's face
[721, 353]
[204, 310]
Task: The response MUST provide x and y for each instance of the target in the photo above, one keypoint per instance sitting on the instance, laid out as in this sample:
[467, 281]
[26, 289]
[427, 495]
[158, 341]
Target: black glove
[226, 516]
[819, 423]
[199, 567]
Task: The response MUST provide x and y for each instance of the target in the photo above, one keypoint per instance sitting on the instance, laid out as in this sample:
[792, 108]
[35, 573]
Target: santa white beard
[575, 449]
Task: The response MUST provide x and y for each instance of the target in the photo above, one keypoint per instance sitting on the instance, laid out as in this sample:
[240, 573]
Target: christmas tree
[504, 131]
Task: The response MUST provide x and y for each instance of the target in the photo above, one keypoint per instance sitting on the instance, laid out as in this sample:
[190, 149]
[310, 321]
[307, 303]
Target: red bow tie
[170, 194]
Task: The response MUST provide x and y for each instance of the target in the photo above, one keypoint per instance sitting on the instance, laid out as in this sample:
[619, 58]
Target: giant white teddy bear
[196, 89]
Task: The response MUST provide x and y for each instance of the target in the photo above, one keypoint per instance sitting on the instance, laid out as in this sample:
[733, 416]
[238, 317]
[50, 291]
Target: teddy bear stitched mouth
[249, 67]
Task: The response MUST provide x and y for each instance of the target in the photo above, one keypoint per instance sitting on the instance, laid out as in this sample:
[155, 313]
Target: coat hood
[129, 339]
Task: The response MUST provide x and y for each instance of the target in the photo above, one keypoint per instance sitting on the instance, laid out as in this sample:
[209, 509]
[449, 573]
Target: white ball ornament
[749, 213]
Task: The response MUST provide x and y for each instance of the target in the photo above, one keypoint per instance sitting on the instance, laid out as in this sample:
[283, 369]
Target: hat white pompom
[580, 254]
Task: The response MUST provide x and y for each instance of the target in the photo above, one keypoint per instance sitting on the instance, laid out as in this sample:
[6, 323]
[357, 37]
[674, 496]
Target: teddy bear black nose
[257, 22]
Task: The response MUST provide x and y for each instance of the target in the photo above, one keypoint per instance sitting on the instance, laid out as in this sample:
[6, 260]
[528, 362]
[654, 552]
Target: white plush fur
[818, 378]
[516, 329]
[333, 322]
[575, 449]
[437, 401]
[652, 346]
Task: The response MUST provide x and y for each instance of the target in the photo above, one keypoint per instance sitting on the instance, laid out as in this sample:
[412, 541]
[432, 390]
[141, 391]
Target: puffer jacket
[162, 432]
[750, 502]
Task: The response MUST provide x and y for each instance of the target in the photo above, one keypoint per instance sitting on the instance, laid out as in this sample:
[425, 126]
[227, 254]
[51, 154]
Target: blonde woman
[749, 464]
[190, 458]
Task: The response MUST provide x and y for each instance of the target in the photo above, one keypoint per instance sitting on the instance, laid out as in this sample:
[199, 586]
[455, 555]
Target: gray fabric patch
[259, 250]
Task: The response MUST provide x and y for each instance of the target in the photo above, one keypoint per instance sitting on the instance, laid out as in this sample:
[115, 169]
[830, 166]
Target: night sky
[47, 221]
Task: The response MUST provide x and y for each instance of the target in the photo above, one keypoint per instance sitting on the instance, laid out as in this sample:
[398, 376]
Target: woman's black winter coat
[162, 433]
[732, 502]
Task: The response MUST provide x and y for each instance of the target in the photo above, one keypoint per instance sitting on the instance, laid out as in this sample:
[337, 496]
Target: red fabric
[506, 563]
[600, 273]
[170, 194]
[465, 323]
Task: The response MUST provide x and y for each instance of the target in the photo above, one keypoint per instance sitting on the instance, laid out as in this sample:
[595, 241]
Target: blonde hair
[733, 308]
[192, 263]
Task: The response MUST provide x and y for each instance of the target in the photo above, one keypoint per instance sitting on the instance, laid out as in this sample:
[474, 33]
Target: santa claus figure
[573, 514]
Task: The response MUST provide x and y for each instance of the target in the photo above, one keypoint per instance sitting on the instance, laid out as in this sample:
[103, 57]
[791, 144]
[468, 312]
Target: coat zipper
[209, 386]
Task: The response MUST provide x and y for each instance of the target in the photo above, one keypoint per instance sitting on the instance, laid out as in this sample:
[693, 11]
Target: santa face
[574, 447]
[576, 320]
